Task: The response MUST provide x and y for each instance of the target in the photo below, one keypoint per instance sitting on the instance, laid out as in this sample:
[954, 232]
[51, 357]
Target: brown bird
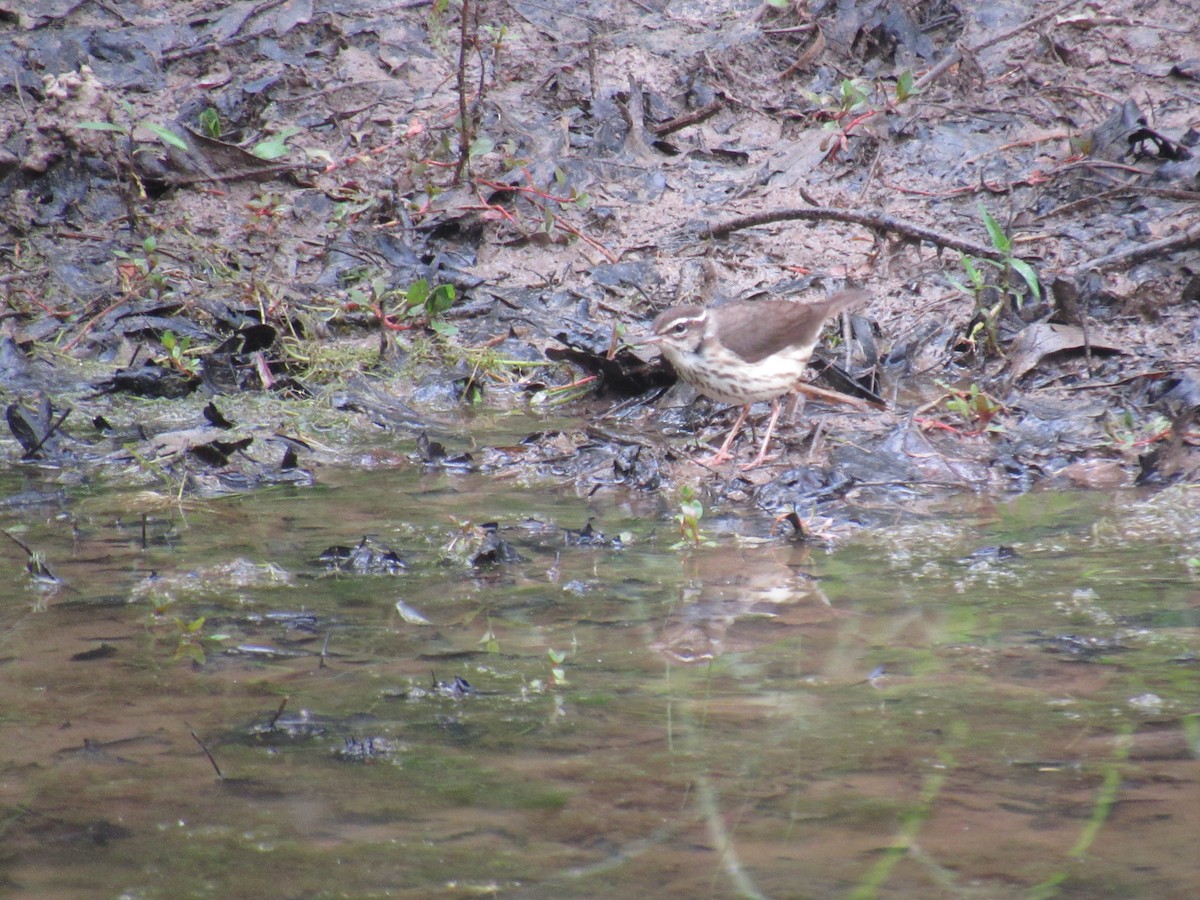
[745, 352]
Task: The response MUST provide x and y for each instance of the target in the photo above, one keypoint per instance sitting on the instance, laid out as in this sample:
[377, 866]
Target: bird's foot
[717, 459]
[758, 461]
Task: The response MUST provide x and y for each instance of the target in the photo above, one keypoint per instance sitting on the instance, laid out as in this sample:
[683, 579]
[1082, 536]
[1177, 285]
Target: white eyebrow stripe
[675, 320]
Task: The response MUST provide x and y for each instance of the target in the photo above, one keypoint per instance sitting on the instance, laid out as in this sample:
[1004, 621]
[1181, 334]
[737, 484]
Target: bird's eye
[680, 328]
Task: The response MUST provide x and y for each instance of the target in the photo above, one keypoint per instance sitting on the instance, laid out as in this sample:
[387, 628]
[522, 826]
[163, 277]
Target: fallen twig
[814, 49]
[811, 390]
[211, 761]
[29, 454]
[873, 219]
[695, 117]
[957, 53]
[1186, 239]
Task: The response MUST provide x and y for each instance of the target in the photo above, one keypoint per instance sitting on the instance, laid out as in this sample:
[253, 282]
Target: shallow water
[907, 713]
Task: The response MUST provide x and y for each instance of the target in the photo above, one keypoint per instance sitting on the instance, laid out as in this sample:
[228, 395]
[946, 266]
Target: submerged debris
[590, 536]
[1081, 647]
[366, 750]
[368, 557]
[34, 425]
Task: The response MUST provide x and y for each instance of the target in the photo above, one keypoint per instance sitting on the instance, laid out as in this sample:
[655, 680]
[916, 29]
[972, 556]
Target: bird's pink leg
[762, 453]
[723, 455]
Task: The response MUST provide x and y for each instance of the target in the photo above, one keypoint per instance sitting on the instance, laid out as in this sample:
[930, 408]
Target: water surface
[908, 712]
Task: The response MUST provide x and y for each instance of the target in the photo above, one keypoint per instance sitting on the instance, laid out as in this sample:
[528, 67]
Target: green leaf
[852, 95]
[481, 146]
[490, 643]
[167, 136]
[1025, 270]
[445, 329]
[978, 282]
[999, 239]
[418, 292]
[168, 340]
[210, 122]
[904, 86]
[272, 149]
[104, 126]
[194, 652]
[440, 300]
[275, 147]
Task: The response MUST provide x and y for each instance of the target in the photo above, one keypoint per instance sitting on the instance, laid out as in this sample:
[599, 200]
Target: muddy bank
[288, 227]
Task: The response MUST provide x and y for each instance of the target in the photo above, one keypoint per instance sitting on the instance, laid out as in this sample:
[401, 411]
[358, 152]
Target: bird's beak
[644, 340]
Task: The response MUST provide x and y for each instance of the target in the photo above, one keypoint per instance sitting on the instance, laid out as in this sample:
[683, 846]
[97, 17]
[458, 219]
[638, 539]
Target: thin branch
[957, 53]
[693, 118]
[873, 219]
[811, 390]
[29, 454]
[1183, 241]
[211, 761]
[464, 123]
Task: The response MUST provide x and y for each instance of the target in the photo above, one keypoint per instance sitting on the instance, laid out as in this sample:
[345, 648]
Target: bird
[745, 352]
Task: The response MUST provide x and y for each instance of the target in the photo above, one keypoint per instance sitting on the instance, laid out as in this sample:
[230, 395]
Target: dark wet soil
[289, 225]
